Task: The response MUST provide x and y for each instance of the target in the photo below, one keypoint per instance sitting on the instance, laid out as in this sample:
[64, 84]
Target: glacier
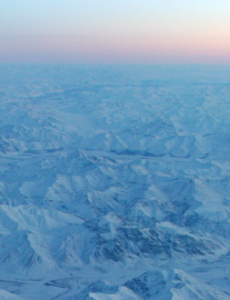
[114, 182]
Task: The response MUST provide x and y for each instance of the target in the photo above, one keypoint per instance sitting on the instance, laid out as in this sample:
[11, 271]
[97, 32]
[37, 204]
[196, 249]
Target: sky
[109, 31]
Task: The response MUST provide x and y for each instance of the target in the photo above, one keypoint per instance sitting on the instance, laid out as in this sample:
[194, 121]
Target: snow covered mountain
[114, 182]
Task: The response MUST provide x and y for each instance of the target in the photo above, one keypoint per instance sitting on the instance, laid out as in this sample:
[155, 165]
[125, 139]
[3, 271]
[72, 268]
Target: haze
[128, 31]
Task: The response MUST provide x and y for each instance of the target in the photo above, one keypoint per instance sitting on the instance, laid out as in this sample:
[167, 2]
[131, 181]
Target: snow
[114, 182]
[8, 296]
[123, 293]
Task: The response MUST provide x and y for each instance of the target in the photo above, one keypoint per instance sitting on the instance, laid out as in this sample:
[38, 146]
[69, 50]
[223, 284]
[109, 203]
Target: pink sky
[115, 50]
[128, 31]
